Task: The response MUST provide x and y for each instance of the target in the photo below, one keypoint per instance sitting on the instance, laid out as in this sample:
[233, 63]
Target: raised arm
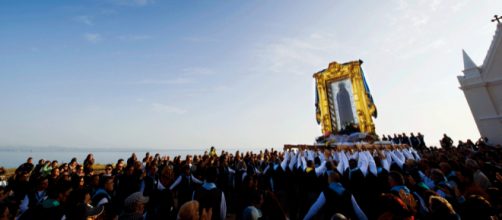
[314, 209]
[292, 162]
[357, 210]
[176, 182]
[396, 159]
[362, 163]
[372, 165]
[284, 162]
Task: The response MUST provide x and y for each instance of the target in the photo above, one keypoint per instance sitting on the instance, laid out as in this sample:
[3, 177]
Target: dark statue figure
[344, 106]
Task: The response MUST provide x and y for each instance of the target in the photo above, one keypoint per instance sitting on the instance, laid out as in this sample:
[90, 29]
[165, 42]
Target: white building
[482, 86]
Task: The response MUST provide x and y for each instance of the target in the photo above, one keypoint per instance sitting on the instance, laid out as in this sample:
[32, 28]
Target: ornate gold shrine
[342, 94]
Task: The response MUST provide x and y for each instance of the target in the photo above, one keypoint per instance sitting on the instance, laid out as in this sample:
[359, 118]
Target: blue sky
[171, 74]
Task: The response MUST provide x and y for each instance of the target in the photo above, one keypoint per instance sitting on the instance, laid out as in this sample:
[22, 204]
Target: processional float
[344, 108]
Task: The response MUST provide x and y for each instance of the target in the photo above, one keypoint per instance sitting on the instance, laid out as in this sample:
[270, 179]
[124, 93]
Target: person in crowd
[335, 199]
[253, 212]
[185, 184]
[108, 170]
[446, 142]
[477, 207]
[80, 208]
[132, 160]
[26, 167]
[88, 164]
[210, 198]
[190, 211]
[119, 168]
[35, 197]
[134, 207]
[441, 209]
[72, 166]
[54, 207]
[103, 195]
[54, 177]
[386, 180]
[162, 205]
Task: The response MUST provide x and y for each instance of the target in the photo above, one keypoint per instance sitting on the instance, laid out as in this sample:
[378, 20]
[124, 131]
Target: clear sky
[171, 74]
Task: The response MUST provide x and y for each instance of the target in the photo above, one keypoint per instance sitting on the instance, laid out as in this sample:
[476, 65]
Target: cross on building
[497, 18]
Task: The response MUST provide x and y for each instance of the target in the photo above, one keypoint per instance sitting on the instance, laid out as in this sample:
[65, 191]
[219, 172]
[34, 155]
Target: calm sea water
[12, 158]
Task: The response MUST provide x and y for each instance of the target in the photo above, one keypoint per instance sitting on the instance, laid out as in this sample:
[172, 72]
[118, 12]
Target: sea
[12, 157]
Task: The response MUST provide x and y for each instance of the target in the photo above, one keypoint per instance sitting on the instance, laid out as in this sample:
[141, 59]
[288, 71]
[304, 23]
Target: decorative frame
[361, 102]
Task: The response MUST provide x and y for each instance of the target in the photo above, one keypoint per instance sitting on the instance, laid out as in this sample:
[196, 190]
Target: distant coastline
[12, 157]
[91, 149]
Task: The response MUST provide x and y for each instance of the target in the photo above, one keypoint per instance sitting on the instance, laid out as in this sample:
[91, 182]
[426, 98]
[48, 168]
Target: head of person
[108, 169]
[129, 170]
[166, 175]
[80, 170]
[471, 164]
[120, 164]
[188, 159]
[42, 183]
[440, 208]
[333, 176]
[189, 211]
[338, 216]
[65, 176]
[55, 173]
[395, 179]
[135, 203]
[186, 169]
[437, 175]
[353, 163]
[107, 183]
[477, 207]
[211, 174]
[392, 207]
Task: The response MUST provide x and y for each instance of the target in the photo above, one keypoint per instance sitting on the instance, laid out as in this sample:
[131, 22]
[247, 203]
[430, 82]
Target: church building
[482, 87]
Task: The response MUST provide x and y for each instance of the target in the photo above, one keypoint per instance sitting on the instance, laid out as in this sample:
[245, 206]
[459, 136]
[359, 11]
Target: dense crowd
[358, 182]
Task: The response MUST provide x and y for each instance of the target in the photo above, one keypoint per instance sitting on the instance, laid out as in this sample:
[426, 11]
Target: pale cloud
[93, 37]
[402, 5]
[163, 108]
[198, 39]
[133, 2]
[425, 48]
[419, 20]
[197, 91]
[297, 56]
[434, 4]
[85, 19]
[197, 71]
[176, 81]
[459, 5]
[138, 37]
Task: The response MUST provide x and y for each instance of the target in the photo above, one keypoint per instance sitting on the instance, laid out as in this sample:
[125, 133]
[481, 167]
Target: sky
[189, 74]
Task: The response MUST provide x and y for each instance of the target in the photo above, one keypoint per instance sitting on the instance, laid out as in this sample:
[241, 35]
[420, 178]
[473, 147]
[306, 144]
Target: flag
[317, 109]
[371, 104]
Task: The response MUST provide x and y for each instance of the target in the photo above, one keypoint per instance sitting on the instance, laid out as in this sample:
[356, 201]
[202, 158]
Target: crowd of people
[405, 181]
